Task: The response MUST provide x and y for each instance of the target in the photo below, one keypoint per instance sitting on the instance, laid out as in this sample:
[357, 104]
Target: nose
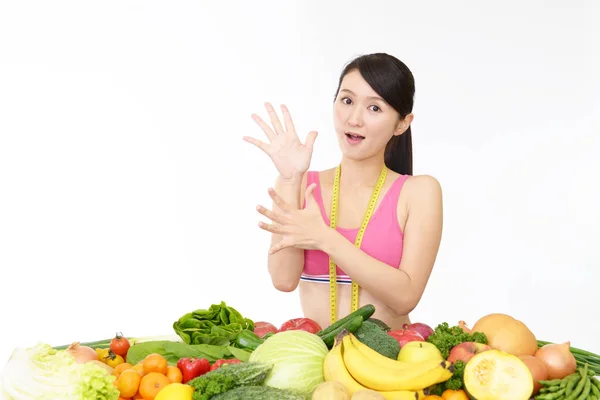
[355, 118]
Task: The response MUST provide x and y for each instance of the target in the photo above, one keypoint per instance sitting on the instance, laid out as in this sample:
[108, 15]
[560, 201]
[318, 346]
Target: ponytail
[398, 154]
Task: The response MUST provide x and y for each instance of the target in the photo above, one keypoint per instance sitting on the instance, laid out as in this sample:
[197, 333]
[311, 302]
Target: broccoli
[373, 336]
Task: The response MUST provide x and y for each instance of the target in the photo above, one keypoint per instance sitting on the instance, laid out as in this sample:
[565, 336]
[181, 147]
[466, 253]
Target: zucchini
[248, 340]
[258, 393]
[352, 325]
[365, 312]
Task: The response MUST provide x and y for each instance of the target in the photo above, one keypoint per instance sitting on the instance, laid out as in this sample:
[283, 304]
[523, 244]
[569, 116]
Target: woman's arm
[285, 266]
[400, 289]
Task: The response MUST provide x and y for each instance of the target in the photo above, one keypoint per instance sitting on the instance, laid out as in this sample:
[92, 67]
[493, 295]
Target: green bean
[586, 390]
[580, 385]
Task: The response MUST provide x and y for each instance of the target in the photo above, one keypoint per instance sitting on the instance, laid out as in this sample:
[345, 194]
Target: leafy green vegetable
[229, 377]
[445, 338]
[173, 351]
[41, 372]
[219, 325]
[297, 358]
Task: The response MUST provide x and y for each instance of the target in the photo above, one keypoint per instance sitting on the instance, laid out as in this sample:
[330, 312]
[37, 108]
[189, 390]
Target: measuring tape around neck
[333, 224]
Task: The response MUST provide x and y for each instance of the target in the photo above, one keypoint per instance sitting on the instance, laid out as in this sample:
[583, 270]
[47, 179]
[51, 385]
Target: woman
[372, 116]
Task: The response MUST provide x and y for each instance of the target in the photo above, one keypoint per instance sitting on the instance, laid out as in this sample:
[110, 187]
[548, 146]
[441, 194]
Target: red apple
[261, 328]
[302, 324]
[404, 336]
[465, 351]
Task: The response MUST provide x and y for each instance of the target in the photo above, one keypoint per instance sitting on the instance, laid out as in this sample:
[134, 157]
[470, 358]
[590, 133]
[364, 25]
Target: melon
[507, 334]
[497, 375]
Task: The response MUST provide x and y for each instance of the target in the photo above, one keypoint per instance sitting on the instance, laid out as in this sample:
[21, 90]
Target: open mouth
[354, 137]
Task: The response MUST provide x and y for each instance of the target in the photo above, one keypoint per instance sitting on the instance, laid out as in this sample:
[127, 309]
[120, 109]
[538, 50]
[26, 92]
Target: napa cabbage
[43, 373]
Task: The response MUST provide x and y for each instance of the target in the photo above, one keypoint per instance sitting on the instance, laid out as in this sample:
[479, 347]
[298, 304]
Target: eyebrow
[370, 97]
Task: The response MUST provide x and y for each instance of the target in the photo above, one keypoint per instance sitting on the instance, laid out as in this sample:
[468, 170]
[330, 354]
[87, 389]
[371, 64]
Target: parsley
[445, 338]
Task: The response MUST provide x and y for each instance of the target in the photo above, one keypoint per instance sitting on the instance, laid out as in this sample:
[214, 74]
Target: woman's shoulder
[422, 189]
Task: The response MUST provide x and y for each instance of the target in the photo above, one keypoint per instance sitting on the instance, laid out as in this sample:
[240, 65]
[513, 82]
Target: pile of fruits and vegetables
[219, 354]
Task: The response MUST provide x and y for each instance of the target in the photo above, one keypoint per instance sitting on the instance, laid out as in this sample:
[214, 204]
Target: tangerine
[174, 374]
[155, 363]
[129, 382]
[152, 383]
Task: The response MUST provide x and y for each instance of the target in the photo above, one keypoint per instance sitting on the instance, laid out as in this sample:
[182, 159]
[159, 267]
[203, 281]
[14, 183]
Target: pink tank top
[383, 238]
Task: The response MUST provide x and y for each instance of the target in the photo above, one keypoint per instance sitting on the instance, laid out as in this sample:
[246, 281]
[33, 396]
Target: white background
[127, 196]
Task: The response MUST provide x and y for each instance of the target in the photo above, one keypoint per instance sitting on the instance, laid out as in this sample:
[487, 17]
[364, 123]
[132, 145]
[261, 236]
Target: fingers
[275, 217]
[266, 128]
[261, 145]
[274, 118]
[273, 228]
[279, 202]
[310, 140]
[287, 119]
[282, 244]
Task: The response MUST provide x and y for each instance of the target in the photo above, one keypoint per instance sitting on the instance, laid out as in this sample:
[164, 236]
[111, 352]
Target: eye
[376, 108]
[346, 100]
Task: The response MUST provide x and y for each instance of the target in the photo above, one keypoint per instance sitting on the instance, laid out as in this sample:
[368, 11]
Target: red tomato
[120, 345]
[261, 328]
[302, 324]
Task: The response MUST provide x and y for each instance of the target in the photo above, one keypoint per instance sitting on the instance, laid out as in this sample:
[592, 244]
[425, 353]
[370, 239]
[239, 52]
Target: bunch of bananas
[359, 367]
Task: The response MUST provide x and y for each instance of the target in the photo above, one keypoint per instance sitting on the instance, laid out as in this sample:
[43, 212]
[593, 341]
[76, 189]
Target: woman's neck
[362, 173]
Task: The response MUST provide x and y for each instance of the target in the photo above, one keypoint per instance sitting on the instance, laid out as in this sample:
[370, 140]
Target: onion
[558, 359]
[463, 325]
[538, 370]
[422, 329]
[82, 354]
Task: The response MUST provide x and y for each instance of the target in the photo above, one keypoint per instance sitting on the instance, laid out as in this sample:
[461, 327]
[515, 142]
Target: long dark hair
[393, 81]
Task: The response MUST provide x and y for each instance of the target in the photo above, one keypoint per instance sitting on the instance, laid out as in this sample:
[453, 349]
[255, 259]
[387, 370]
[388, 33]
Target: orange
[120, 368]
[139, 368]
[152, 383]
[155, 363]
[138, 396]
[129, 382]
[174, 374]
[454, 395]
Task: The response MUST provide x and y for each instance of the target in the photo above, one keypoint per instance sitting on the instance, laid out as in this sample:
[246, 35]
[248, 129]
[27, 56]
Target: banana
[380, 359]
[403, 395]
[334, 369]
[419, 351]
[368, 372]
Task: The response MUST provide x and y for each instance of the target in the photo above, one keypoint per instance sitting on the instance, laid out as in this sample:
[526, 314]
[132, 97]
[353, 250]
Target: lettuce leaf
[218, 326]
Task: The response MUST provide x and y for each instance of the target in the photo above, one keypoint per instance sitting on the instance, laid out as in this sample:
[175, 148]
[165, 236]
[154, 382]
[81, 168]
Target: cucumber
[259, 393]
[351, 326]
[365, 312]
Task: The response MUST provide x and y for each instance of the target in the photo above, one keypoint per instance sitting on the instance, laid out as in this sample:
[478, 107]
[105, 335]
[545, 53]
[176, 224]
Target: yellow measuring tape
[333, 223]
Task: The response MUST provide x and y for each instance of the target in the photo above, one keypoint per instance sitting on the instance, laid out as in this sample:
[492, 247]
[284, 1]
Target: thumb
[310, 140]
[309, 195]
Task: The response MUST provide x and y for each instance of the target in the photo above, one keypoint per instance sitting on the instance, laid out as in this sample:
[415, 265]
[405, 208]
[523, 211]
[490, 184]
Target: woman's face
[364, 122]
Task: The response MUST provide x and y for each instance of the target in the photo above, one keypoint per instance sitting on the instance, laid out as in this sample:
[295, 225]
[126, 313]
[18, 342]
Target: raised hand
[303, 229]
[290, 156]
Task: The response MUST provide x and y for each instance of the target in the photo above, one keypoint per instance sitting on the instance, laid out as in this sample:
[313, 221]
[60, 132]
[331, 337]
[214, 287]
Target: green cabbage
[297, 357]
[43, 373]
